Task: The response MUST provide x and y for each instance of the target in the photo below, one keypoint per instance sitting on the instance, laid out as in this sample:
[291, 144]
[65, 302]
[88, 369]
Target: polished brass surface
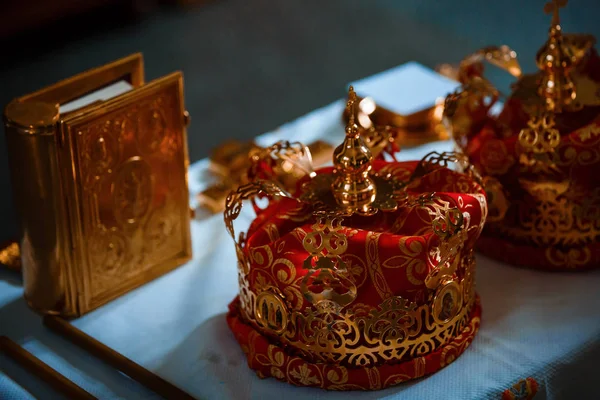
[350, 188]
[36, 184]
[390, 194]
[501, 56]
[353, 188]
[320, 152]
[555, 60]
[101, 191]
[33, 117]
[381, 141]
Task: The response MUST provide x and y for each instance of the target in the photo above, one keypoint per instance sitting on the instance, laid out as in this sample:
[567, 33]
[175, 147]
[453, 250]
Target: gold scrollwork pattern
[269, 359]
[551, 218]
[391, 193]
[233, 207]
[571, 258]
[476, 95]
[328, 277]
[380, 140]
[332, 330]
[374, 265]
[555, 210]
[249, 191]
[435, 160]
[362, 335]
[539, 141]
[132, 189]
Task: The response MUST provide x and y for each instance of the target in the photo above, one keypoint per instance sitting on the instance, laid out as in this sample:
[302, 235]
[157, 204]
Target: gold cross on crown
[553, 7]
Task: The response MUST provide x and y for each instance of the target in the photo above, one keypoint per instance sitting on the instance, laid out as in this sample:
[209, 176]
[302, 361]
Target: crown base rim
[270, 359]
[584, 257]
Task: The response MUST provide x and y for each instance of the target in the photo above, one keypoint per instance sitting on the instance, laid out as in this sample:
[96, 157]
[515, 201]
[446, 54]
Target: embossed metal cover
[128, 198]
[101, 189]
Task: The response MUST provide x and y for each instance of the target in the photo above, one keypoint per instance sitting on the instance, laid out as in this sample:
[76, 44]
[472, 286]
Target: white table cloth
[543, 325]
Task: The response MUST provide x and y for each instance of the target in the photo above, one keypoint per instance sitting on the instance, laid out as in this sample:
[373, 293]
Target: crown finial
[555, 60]
[553, 7]
[351, 127]
[354, 190]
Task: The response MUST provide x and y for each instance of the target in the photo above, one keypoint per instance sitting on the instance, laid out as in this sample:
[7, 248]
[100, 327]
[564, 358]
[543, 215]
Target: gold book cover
[99, 173]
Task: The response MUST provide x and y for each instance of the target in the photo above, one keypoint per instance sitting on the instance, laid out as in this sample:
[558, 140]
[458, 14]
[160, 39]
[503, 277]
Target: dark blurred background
[251, 65]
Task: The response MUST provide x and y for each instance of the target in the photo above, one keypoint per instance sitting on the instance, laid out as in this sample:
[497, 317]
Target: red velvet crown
[540, 156]
[363, 276]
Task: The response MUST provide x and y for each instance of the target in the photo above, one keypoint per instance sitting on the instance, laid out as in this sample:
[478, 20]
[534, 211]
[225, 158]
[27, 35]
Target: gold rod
[42, 370]
[115, 359]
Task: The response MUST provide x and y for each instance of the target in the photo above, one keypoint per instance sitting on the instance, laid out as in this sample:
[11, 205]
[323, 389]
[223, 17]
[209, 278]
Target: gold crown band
[362, 335]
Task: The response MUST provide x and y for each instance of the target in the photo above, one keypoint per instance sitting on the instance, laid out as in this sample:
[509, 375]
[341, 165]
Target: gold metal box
[101, 189]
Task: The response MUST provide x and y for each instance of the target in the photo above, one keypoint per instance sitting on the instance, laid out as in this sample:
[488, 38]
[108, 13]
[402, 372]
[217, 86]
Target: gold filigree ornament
[333, 328]
[538, 143]
[327, 277]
